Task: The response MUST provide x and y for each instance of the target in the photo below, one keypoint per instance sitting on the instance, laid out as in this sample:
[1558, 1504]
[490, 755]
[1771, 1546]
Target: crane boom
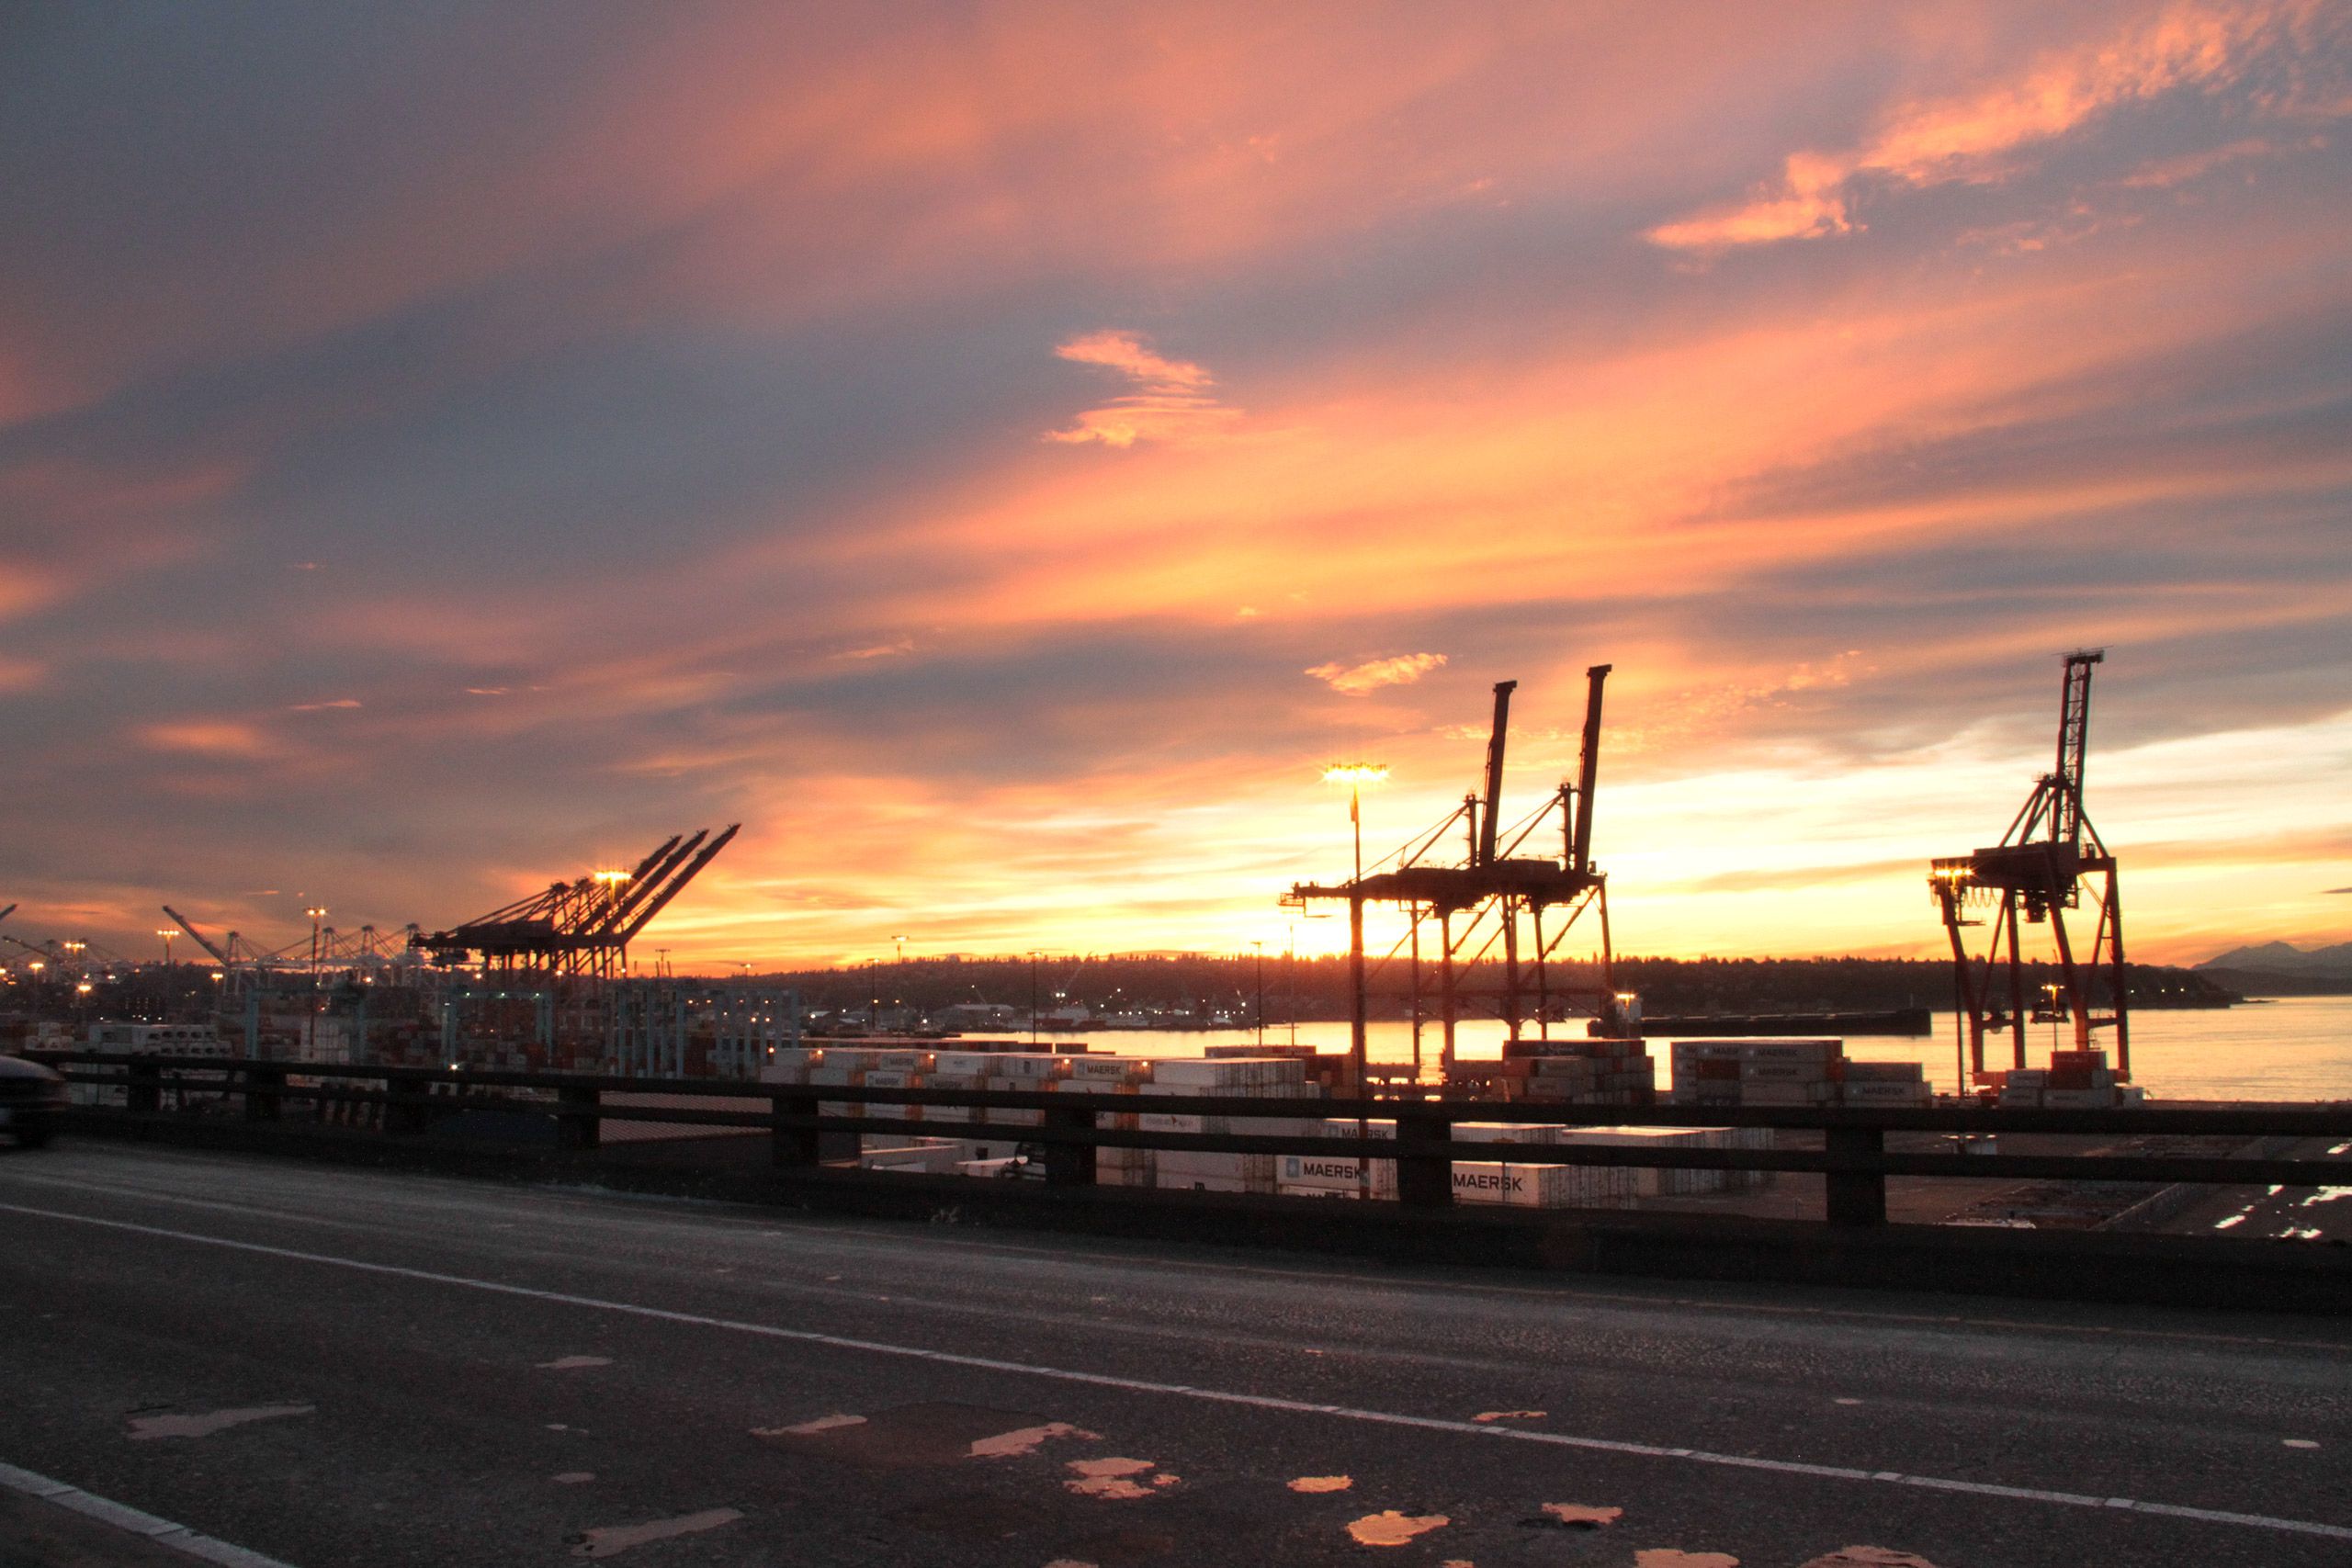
[678, 883]
[1493, 817]
[1588, 768]
[2074, 737]
[197, 936]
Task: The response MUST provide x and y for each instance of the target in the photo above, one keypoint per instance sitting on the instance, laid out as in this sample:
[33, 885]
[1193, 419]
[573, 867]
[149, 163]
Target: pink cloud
[1171, 400]
[1975, 137]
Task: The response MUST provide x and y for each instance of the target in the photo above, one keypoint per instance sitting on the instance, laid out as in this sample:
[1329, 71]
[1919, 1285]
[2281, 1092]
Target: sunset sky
[1001, 452]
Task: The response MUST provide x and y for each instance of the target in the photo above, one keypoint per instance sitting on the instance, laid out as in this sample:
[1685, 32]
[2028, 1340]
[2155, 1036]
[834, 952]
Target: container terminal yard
[1489, 905]
[1474, 1323]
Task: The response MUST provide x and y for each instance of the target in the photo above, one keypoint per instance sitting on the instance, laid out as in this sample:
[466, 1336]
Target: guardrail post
[1423, 1181]
[1069, 1164]
[1857, 1197]
[792, 1146]
[143, 1092]
[263, 1102]
[576, 1124]
[404, 1120]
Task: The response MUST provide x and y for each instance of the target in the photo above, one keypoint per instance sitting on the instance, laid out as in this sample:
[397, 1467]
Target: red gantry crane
[581, 928]
[1498, 896]
[2038, 871]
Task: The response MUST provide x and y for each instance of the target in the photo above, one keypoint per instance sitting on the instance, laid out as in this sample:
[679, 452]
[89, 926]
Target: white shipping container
[975, 1063]
[1188, 1183]
[1028, 1065]
[1784, 1072]
[1787, 1093]
[1885, 1093]
[1505, 1132]
[1118, 1069]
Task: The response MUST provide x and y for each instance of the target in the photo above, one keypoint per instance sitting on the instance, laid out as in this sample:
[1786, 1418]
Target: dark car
[30, 1098]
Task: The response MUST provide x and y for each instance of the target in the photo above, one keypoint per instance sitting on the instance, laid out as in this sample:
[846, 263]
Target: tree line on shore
[1318, 988]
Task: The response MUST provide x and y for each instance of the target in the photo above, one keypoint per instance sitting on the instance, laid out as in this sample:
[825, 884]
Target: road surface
[351, 1368]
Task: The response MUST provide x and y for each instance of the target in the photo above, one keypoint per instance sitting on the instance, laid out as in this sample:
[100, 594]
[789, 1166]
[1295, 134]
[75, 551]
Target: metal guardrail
[1853, 1156]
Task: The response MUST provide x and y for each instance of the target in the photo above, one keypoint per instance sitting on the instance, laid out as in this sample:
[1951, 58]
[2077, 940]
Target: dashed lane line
[1219, 1397]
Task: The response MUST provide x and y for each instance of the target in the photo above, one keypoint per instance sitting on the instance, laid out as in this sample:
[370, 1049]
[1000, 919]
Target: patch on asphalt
[611, 1539]
[909, 1437]
[1485, 1417]
[1869, 1557]
[1117, 1480]
[574, 1363]
[1575, 1515]
[1322, 1484]
[1389, 1528]
[1674, 1557]
[1008, 1445]
[143, 1428]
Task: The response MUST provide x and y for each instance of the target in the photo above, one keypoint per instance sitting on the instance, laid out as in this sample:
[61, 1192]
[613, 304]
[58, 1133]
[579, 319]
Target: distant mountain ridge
[2284, 958]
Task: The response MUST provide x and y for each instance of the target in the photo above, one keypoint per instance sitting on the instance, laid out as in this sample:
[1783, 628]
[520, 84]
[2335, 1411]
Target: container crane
[2036, 874]
[1498, 896]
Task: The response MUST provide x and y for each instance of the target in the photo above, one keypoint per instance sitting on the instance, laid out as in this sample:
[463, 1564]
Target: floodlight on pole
[1355, 775]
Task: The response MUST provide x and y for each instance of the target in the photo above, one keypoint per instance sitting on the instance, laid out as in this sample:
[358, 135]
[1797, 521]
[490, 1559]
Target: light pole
[165, 932]
[900, 999]
[1355, 775]
[1261, 946]
[310, 1016]
[1034, 957]
[1290, 980]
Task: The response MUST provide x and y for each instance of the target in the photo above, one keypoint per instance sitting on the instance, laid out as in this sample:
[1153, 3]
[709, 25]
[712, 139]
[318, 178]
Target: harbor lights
[165, 932]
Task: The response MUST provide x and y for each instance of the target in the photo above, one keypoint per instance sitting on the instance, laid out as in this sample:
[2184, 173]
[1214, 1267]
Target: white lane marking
[596, 1201]
[1206, 1396]
[163, 1532]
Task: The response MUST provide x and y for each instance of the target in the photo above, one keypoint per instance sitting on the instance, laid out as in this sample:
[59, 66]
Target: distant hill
[2281, 969]
[2284, 958]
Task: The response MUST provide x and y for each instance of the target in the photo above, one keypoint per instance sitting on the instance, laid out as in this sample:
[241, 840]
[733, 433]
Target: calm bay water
[2298, 1048]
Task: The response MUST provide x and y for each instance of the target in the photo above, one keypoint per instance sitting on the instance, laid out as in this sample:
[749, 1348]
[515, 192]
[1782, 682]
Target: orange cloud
[1171, 400]
[211, 737]
[1974, 137]
[1356, 680]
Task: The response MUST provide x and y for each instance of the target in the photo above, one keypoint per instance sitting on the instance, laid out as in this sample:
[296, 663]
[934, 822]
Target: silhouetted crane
[2038, 870]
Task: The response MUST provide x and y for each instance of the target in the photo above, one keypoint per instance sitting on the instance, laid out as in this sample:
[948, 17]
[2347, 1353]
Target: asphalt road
[336, 1367]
